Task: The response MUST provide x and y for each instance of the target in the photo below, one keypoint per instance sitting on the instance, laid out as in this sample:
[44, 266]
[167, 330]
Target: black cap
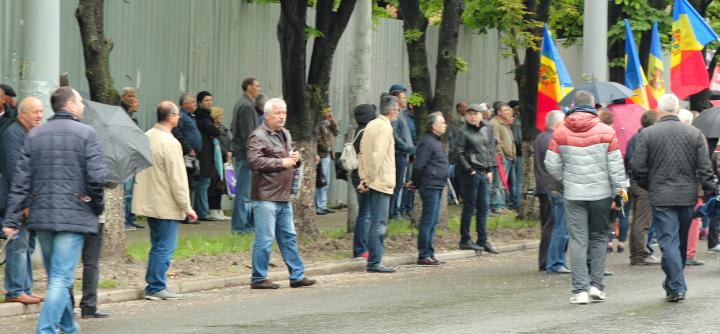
[8, 90]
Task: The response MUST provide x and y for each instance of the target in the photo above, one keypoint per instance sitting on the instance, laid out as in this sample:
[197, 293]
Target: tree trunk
[359, 77]
[615, 50]
[414, 20]
[96, 50]
[527, 78]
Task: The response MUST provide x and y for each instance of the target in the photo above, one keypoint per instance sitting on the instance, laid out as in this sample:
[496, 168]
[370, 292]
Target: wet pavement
[491, 294]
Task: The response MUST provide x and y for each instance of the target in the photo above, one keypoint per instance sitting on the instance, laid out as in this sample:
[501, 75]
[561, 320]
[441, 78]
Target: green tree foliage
[641, 16]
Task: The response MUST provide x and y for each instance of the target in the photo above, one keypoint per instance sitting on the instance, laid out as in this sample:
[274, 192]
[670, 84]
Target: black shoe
[320, 212]
[97, 314]
[380, 269]
[488, 248]
[189, 222]
[207, 219]
[470, 245]
[329, 211]
[675, 297]
[621, 249]
[303, 282]
[138, 225]
[609, 249]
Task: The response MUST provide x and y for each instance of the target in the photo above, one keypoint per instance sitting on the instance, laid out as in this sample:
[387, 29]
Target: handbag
[320, 180]
[230, 180]
[340, 172]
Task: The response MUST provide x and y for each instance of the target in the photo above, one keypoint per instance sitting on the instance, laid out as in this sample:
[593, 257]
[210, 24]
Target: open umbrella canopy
[602, 90]
[126, 147]
[627, 122]
[708, 122]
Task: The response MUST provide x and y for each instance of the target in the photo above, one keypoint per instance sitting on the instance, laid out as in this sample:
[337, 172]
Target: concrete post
[595, 61]
[40, 51]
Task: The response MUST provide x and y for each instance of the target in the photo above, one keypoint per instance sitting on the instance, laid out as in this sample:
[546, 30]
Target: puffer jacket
[376, 160]
[10, 146]
[585, 156]
[265, 151]
[471, 151]
[60, 177]
[431, 165]
[670, 157]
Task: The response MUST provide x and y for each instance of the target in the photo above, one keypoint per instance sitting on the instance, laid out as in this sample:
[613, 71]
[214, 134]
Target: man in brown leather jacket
[273, 162]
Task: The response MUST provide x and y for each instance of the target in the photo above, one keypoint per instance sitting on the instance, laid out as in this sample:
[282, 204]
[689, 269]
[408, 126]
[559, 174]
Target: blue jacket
[60, 177]
[11, 144]
[431, 163]
[187, 133]
[411, 123]
[6, 119]
[403, 137]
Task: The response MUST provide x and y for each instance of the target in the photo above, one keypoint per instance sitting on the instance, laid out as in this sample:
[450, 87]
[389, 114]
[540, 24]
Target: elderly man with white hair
[670, 159]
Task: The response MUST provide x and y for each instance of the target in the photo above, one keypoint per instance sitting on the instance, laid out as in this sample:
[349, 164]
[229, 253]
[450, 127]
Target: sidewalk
[120, 295]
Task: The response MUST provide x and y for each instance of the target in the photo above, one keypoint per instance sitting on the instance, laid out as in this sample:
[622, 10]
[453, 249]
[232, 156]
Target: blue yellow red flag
[554, 81]
[656, 74]
[634, 75]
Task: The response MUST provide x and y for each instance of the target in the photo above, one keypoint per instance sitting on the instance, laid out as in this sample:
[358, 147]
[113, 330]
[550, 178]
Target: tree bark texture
[527, 78]
[359, 80]
[615, 50]
[96, 50]
[529, 205]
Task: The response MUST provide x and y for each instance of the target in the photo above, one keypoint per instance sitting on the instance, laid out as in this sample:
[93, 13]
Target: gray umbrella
[126, 147]
[602, 90]
[708, 122]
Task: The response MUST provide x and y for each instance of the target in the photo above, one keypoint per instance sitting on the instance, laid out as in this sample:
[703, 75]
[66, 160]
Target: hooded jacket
[364, 113]
[585, 156]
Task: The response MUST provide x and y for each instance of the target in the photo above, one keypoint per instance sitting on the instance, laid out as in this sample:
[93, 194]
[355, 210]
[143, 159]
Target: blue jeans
[517, 183]
[475, 197]
[321, 194]
[559, 240]
[129, 185]
[406, 202]
[201, 198]
[242, 220]
[61, 253]
[400, 165]
[163, 240]
[625, 219]
[428, 222]
[380, 202]
[651, 234]
[497, 199]
[272, 217]
[361, 224]
[672, 224]
[18, 265]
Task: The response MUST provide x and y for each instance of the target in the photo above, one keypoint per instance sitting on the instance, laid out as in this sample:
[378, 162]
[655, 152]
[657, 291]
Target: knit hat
[364, 113]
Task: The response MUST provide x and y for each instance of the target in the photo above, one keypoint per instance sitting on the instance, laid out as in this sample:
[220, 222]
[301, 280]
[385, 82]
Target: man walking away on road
[554, 119]
[162, 195]
[506, 150]
[377, 173]
[430, 176]
[18, 265]
[273, 161]
[404, 146]
[641, 211]
[61, 177]
[687, 117]
[670, 159]
[244, 122]
[473, 156]
[585, 156]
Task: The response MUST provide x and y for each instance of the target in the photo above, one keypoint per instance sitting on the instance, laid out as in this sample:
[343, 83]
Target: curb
[115, 296]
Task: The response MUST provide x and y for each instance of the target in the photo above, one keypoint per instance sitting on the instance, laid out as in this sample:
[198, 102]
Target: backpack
[349, 158]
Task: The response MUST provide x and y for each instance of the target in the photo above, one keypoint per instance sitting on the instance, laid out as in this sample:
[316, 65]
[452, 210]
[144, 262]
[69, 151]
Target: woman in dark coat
[206, 156]
[217, 187]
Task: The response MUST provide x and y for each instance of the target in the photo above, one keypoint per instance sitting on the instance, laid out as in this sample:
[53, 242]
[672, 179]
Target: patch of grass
[77, 285]
[108, 283]
[334, 234]
[232, 269]
[334, 256]
[216, 274]
[196, 244]
[140, 219]
[506, 221]
[400, 227]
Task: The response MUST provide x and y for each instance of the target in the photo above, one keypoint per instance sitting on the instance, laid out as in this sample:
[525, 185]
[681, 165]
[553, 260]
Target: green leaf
[310, 31]
[416, 99]
[413, 35]
[461, 65]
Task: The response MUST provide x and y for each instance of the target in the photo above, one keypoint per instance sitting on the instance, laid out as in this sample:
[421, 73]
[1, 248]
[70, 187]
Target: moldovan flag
[554, 80]
[634, 75]
[690, 34]
[655, 69]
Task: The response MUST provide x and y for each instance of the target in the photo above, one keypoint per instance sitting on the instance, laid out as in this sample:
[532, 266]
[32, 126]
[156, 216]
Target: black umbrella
[602, 90]
[708, 122]
[126, 147]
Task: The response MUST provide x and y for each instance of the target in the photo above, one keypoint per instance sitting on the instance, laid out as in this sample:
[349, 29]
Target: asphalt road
[492, 294]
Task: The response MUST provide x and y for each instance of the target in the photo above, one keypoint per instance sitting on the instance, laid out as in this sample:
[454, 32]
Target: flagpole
[644, 95]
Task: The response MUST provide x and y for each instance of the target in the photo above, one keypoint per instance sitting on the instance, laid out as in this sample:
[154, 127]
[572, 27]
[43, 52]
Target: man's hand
[613, 206]
[473, 173]
[498, 140]
[288, 162]
[192, 153]
[317, 159]
[295, 156]
[489, 177]
[192, 216]
[329, 116]
[410, 186]
[361, 188]
[25, 213]
[10, 232]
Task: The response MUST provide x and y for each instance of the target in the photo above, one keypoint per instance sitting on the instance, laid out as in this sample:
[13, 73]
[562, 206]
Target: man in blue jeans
[506, 151]
[244, 122]
[377, 173]
[430, 176]
[364, 113]
[670, 158]
[273, 161]
[162, 195]
[63, 167]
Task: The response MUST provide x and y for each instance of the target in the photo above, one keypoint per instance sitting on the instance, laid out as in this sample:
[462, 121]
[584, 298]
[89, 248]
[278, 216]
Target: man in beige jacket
[506, 151]
[377, 174]
[162, 195]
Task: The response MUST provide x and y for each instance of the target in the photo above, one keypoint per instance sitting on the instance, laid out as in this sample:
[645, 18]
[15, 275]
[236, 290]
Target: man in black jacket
[670, 158]
[430, 176]
[206, 157]
[364, 113]
[61, 180]
[473, 153]
[244, 122]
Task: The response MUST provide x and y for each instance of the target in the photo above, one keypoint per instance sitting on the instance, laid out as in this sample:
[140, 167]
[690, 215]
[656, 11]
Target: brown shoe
[428, 262]
[264, 284]
[303, 282]
[439, 261]
[24, 298]
[42, 298]
[649, 261]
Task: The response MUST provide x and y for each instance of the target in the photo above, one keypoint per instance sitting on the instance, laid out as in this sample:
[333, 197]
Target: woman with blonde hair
[217, 186]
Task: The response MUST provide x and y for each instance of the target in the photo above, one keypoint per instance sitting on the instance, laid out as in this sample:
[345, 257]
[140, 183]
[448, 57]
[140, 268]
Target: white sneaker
[714, 249]
[580, 298]
[596, 295]
[213, 214]
[221, 213]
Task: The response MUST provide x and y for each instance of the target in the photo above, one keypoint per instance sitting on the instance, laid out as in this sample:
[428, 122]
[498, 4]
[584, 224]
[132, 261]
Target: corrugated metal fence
[166, 48]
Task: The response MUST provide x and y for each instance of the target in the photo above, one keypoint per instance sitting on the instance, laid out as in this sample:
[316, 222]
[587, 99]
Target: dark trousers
[672, 224]
[431, 199]
[641, 222]
[91, 271]
[713, 235]
[547, 223]
[400, 164]
[476, 197]
[214, 202]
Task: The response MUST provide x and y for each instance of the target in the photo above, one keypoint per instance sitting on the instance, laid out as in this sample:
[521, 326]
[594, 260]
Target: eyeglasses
[176, 113]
